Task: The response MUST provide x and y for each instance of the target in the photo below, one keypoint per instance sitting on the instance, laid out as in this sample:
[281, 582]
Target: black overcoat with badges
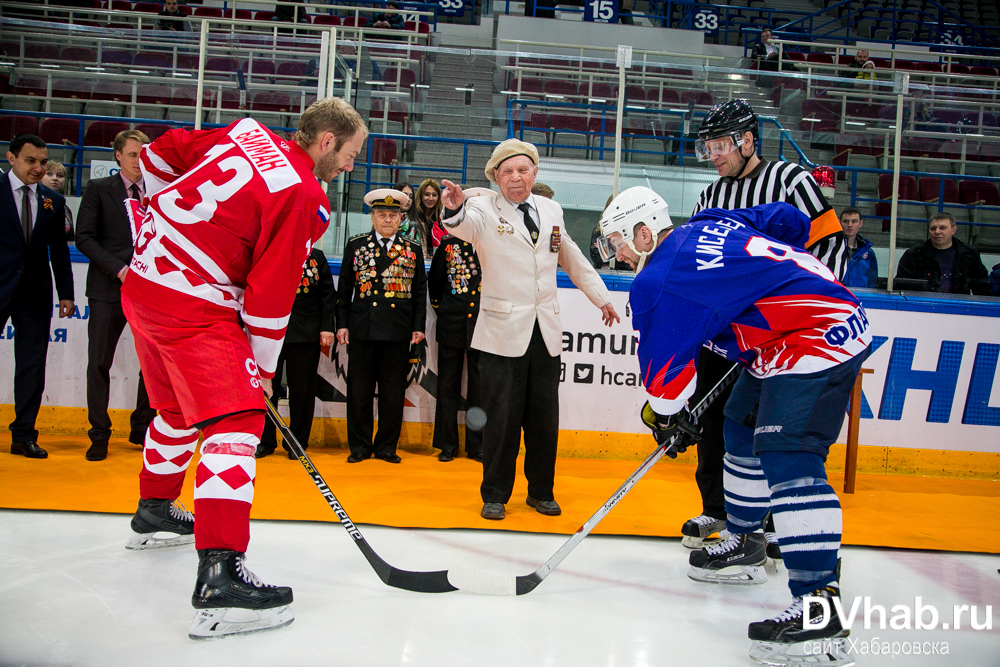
[453, 285]
[382, 296]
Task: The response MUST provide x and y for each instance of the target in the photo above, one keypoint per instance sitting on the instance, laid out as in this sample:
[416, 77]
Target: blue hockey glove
[664, 428]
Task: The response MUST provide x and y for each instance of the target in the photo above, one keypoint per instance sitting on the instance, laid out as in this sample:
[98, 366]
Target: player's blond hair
[332, 114]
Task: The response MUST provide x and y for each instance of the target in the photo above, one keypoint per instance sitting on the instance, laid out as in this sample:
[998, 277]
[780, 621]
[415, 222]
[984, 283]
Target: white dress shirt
[15, 186]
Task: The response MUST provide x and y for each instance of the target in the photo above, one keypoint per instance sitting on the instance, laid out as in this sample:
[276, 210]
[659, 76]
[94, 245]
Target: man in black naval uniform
[453, 285]
[381, 310]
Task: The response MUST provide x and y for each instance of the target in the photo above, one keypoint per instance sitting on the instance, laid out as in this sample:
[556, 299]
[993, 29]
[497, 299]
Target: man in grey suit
[104, 235]
[520, 240]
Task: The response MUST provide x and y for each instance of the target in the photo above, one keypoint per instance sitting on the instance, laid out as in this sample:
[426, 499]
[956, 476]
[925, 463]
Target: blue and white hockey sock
[807, 518]
[743, 481]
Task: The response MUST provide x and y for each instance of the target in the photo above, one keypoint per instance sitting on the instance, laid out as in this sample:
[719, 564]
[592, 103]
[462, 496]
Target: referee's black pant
[712, 448]
[520, 393]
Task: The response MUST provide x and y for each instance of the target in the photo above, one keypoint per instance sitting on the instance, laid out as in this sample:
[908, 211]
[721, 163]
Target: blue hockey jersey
[740, 282]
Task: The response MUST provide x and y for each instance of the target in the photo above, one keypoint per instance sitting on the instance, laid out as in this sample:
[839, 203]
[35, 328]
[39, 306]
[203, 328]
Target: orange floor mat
[885, 511]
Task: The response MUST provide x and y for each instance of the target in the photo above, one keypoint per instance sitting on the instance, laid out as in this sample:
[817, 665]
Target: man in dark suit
[311, 327]
[32, 230]
[104, 235]
[381, 311]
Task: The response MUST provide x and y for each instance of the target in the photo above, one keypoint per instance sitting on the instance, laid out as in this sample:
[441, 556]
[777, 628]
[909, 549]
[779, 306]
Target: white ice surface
[71, 595]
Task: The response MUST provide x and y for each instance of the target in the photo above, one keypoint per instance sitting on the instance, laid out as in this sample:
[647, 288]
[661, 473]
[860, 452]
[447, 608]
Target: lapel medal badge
[47, 204]
[505, 227]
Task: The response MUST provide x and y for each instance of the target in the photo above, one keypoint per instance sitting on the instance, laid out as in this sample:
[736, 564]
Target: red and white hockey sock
[224, 482]
[166, 455]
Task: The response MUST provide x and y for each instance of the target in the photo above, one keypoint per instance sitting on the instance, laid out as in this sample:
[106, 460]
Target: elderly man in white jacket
[520, 240]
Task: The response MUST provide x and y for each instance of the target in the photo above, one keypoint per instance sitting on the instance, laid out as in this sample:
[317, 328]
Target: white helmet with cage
[630, 207]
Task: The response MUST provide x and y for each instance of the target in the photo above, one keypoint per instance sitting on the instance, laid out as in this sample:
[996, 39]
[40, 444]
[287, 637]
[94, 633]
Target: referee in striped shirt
[728, 138]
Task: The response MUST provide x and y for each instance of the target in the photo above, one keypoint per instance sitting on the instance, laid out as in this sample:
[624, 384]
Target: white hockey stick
[485, 583]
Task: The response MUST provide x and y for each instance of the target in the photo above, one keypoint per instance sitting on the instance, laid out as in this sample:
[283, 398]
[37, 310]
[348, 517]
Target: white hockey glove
[682, 425]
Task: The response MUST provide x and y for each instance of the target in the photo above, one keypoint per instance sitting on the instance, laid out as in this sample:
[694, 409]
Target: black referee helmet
[729, 118]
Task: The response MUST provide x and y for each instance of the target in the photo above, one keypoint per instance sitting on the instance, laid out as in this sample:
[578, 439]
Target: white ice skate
[738, 560]
[697, 532]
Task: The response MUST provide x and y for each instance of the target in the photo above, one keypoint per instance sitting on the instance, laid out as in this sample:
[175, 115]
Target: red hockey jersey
[231, 216]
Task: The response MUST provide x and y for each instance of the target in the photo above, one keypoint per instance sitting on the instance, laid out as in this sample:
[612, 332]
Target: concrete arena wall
[931, 407]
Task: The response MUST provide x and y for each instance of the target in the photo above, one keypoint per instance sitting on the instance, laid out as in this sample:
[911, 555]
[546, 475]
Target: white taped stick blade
[230, 621]
[482, 583]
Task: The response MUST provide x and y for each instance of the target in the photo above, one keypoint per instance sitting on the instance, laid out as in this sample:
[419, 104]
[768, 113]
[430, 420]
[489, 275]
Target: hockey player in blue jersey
[741, 282]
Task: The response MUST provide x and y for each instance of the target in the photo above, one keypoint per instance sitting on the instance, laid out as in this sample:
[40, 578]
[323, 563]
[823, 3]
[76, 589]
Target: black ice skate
[231, 600]
[737, 560]
[784, 640]
[156, 516]
[697, 532]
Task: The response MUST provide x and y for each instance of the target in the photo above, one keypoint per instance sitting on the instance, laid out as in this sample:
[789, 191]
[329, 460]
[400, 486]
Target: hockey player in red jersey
[231, 216]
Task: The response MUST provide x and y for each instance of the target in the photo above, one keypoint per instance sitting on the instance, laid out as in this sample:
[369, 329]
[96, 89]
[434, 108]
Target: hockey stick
[497, 584]
[421, 582]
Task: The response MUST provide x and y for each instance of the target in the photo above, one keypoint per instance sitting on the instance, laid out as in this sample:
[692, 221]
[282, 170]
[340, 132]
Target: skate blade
[229, 621]
[735, 575]
[698, 542]
[139, 541]
[827, 652]
[773, 567]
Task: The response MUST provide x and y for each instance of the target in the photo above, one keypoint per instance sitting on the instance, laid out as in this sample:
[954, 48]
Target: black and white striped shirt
[771, 182]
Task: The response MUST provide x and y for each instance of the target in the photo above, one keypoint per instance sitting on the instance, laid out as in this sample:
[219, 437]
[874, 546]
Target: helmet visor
[709, 149]
[608, 247]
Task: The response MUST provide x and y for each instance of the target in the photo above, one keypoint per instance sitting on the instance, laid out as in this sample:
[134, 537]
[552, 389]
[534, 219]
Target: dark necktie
[528, 222]
[26, 211]
[135, 193]
[385, 245]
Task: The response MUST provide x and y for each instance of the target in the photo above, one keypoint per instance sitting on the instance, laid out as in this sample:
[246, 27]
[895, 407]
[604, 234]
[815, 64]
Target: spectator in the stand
[947, 264]
[625, 9]
[425, 227]
[55, 178]
[387, 20]
[174, 18]
[764, 50]
[406, 189]
[543, 190]
[311, 326]
[290, 13]
[861, 62]
[766, 55]
[860, 268]
[995, 280]
[31, 238]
